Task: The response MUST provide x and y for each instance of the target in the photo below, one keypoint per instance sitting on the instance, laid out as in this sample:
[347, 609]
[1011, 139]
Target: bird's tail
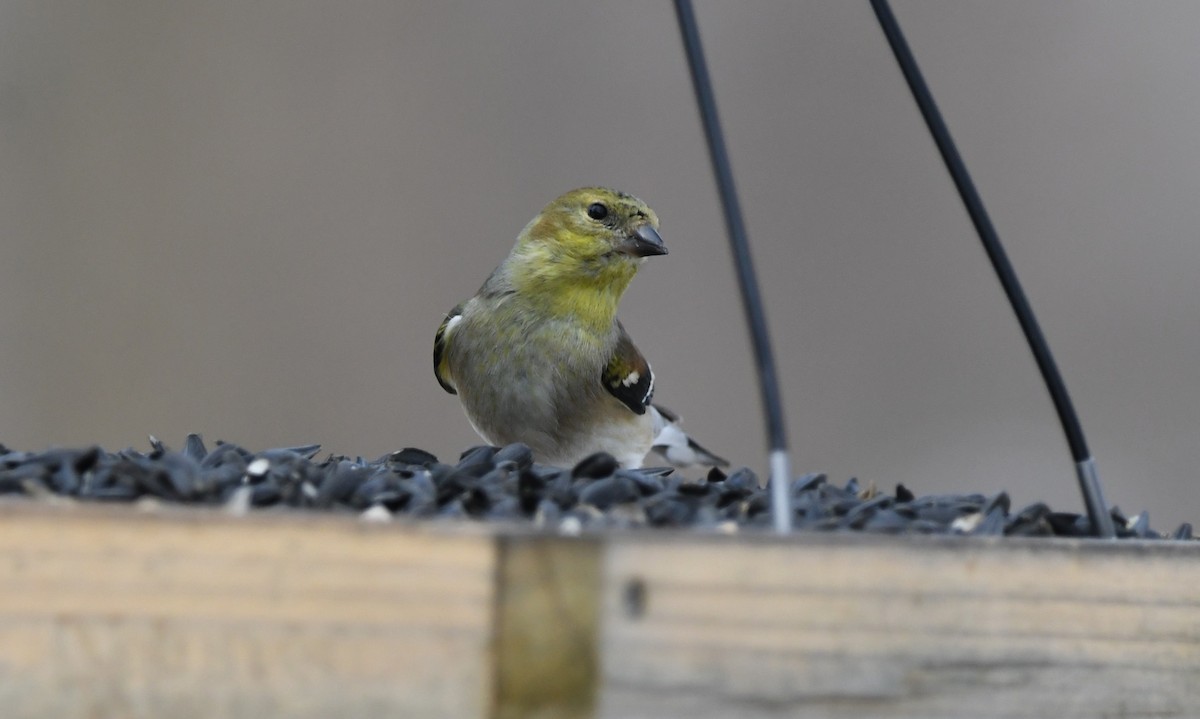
[675, 446]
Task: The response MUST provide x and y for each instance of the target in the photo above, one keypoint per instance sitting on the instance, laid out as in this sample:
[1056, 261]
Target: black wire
[768, 381]
[1097, 510]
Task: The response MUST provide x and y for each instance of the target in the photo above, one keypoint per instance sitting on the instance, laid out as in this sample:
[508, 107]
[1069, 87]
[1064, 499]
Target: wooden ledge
[116, 612]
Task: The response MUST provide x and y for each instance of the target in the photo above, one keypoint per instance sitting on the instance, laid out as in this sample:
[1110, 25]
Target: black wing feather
[628, 376]
[441, 367]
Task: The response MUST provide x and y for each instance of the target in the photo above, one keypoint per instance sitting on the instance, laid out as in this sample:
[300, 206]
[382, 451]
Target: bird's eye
[597, 211]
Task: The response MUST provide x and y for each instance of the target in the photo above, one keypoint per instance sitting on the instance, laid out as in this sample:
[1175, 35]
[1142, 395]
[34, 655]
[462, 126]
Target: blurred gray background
[246, 219]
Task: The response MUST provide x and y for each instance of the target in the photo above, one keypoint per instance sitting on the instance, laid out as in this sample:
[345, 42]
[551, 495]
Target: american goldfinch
[538, 354]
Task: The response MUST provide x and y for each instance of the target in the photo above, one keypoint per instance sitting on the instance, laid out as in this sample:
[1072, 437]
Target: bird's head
[590, 240]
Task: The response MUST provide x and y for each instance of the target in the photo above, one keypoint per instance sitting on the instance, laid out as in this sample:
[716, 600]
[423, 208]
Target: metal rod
[1089, 483]
[739, 246]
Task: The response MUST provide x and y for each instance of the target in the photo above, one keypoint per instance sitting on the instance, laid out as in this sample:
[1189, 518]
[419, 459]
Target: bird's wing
[628, 376]
[675, 445]
[441, 366]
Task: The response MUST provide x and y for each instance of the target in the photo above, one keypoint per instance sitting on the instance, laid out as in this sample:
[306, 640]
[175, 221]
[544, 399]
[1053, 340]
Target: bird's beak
[644, 242]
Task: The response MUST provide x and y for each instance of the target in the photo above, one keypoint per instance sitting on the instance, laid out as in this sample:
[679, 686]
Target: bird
[538, 355]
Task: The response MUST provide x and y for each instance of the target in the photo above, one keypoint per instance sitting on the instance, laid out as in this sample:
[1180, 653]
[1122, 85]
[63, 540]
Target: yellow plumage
[538, 355]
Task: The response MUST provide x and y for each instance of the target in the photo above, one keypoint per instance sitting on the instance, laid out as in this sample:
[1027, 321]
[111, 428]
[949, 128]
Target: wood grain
[921, 627]
[112, 614]
[548, 606]
[120, 613]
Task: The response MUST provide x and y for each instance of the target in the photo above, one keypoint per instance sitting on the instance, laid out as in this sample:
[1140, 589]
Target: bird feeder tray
[181, 612]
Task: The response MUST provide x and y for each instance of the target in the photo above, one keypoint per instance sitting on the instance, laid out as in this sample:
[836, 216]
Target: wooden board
[828, 626]
[112, 612]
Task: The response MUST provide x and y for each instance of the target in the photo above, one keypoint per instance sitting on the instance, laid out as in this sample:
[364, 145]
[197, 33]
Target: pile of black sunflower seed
[504, 484]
